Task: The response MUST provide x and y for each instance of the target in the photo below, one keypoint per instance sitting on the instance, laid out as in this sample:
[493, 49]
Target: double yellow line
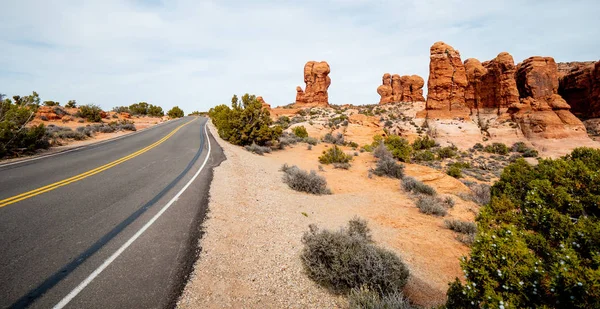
[50, 187]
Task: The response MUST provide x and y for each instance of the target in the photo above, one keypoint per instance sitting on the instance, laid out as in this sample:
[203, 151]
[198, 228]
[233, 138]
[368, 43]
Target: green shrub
[282, 121]
[71, 104]
[387, 166]
[303, 181]
[90, 112]
[176, 112]
[454, 171]
[334, 155]
[431, 206]
[15, 136]
[410, 184]
[245, 122]
[155, 111]
[522, 148]
[538, 240]
[399, 147]
[447, 152]
[259, 150]
[478, 146]
[423, 143]
[51, 103]
[300, 131]
[364, 298]
[424, 155]
[347, 259]
[519, 147]
[497, 148]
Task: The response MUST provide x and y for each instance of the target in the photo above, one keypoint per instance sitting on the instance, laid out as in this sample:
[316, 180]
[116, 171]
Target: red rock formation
[580, 87]
[475, 72]
[317, 82]
[565, 68]
[300, 95]
[541, 112]
[491, 85]
[412, 88]
[263, 103]
[396, 88]
[125, 115]
[48, 113]
[447, 79]
[386, 90]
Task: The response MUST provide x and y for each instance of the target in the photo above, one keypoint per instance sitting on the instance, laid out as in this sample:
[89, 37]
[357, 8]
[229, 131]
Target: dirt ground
[250, 251]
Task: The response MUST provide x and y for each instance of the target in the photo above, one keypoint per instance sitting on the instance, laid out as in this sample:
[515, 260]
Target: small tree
[91, 112]
[155, 111]
[71, 104]
[245, 122]
[140, 108]
[175, 112]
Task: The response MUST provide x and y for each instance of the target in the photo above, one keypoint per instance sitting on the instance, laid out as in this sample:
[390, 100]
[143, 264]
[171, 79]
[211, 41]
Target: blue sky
[196, 54]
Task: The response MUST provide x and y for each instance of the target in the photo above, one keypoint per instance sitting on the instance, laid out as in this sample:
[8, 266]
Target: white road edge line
[124, 247]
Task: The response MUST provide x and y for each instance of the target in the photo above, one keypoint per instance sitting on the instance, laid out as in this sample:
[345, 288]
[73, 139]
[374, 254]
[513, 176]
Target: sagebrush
[347, 259]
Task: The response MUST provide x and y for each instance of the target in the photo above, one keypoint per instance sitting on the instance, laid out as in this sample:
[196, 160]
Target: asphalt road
[71, 243]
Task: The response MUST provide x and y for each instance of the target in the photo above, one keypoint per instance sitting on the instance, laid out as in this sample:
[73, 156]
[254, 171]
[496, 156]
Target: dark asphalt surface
[51, 242]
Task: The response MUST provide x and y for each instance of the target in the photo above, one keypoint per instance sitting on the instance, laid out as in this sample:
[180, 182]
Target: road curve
[113, 225]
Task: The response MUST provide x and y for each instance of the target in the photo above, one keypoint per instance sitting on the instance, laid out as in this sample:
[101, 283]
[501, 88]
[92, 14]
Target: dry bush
[410, 184]
[366, 299]
[259, 150]
[431, 206]
[303, 181]
[387, 166]
[346, 259]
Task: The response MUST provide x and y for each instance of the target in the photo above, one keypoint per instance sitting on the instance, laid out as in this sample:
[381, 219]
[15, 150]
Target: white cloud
[196, 54]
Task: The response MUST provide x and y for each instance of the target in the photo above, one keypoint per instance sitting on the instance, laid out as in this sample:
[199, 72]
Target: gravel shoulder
[252, 234]
[251, 243]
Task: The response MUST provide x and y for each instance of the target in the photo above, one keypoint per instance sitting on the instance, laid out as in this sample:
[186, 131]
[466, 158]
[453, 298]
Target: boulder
[125, 115]
[447, 79]
[579, 85]
[317, 80]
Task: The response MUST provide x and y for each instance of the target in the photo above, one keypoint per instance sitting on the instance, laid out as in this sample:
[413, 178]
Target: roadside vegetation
[348, 262]
[245, 122]
[175, 112]
[538, 238]
[15, 137]
[303, 181]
